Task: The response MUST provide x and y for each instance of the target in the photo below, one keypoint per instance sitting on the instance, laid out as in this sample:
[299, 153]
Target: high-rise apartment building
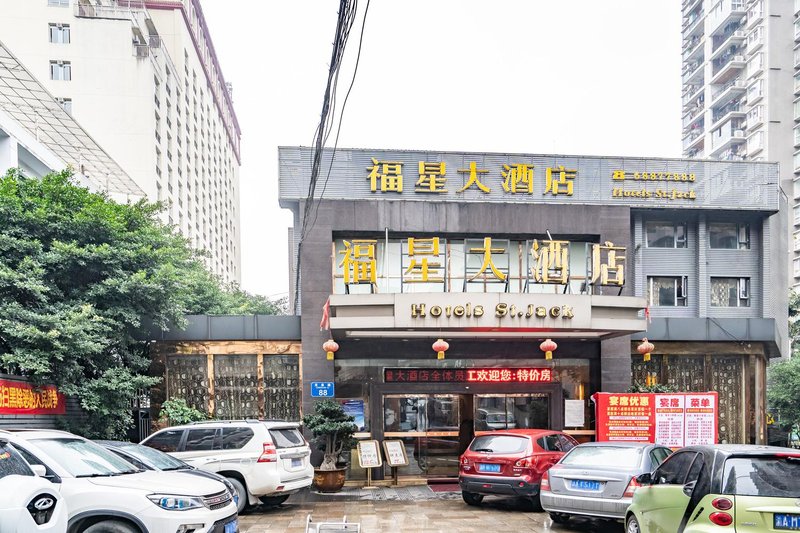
[741, 92]
[143, 79]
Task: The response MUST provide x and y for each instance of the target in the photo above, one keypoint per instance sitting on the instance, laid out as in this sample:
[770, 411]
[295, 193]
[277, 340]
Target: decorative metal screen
[687, 373]
[726, 379]
[282, 387]
[187, 378]
[640, 368]
[235, 386]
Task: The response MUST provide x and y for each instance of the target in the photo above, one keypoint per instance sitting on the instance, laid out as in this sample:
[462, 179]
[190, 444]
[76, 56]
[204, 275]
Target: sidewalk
[449, 491]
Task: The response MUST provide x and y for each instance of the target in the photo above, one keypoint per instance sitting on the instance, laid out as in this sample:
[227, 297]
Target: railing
[102, 12]
[721, 63]
[141, 50]
[719, 40]
[729, 108]
[692, 137]
[733, 83]
[721, 11]
[693, 115]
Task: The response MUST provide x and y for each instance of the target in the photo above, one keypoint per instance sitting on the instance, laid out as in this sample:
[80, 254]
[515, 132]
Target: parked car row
[58, 482]
[697, 489]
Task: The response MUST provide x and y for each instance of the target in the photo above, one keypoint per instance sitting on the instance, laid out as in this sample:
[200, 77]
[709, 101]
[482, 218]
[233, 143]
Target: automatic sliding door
[508, 411]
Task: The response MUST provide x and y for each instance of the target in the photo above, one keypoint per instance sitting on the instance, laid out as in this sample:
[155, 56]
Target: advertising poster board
[369, 455]
[355, 408]
[395, 453]
[673, 420]
[20, 398]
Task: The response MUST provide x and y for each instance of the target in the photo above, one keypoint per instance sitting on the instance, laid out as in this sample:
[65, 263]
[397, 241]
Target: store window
[730, 292]
[666, 235]
[666, 291]
[729, 236]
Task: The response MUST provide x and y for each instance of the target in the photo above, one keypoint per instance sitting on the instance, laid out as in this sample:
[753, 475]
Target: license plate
[583, 484]
[297, 463]
[483, 467]
[232, 527]
[786, 521]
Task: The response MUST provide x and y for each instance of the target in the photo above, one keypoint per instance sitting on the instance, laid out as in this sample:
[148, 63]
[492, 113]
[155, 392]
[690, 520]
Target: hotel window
[666, 292]
[729, 236]
[60, 70]
[755, 116]
[755, 90]
[58, 3]
[755, 64]
[66, 104]
[666, 235]
[730, 292]
[59, 33]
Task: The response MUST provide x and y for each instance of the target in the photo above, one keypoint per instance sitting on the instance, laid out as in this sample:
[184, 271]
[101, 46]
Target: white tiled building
[143, 79]
[741, 88]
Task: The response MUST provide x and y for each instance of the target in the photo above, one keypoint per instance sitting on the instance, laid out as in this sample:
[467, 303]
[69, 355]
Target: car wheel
[559, 518]
[110, 526]
[273, 501]
[471, 498]
[632, 526]
[241, 493]
[535, 504]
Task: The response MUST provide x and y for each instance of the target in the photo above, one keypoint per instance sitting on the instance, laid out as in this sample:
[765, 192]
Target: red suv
[510, 463]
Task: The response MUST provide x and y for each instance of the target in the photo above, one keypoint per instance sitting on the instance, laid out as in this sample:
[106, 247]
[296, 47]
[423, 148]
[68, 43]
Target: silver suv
[265, 461]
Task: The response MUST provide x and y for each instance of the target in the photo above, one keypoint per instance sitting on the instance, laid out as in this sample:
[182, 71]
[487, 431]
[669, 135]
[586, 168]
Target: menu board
[673, 420]
[369, 455]
[670, 425]
[395, 453]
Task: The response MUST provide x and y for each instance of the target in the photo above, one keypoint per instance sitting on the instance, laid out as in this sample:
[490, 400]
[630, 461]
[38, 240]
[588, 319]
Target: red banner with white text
[673, 420]
[20, 398]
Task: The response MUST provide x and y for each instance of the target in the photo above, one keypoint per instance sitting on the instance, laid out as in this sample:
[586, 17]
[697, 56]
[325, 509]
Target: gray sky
[566, 77]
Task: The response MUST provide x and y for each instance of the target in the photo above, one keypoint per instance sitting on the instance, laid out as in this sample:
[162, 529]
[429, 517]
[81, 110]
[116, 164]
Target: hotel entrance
[437, 428]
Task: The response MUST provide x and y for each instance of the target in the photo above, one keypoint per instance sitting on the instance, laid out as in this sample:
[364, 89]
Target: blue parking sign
[322, 389]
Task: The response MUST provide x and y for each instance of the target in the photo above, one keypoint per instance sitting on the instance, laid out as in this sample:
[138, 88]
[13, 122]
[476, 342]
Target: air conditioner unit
[738, 133]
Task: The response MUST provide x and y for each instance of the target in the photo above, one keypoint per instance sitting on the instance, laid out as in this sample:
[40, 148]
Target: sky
[575, 77]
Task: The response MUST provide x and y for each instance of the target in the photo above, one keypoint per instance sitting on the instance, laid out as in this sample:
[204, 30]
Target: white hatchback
[104, 493]
[266, 461]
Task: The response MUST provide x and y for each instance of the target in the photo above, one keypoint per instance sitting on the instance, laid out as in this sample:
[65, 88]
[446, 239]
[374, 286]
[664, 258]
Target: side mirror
[644, 479]
[689, 488]
[39, 470]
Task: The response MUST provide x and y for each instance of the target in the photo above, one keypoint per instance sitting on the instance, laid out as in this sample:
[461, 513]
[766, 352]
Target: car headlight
[173, 502]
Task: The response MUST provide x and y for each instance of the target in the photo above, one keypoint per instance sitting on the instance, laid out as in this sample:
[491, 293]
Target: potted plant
[333, 431]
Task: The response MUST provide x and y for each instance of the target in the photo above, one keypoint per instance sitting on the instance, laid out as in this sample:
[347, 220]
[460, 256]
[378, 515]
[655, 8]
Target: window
[59, 33]
[696, 469]
[166, 441]
[768, 476]
[567, 442]
[755, 65]
[58, 3]
[755, 142]
[796, 266]
[673, 471]
[658, 456]
[11, 463]
[755, 116]
[755, 91]
[730, 292]
[666, 235]
[60, 70]
[290, 437]
[200, 439]
[66, 104]
[729, 236]
[666, 291]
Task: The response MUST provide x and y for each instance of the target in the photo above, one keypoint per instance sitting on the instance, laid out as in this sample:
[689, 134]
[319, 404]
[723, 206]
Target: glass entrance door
[509, 411]
[430, 425]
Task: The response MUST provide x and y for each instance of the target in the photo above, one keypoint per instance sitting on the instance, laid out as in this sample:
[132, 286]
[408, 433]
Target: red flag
[646, 314]
[325, 323]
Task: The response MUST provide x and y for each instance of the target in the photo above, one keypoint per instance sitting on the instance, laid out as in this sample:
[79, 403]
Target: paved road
[413, 511]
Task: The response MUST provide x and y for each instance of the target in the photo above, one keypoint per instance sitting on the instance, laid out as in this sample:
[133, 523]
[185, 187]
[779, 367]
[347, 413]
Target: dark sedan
[598, 479]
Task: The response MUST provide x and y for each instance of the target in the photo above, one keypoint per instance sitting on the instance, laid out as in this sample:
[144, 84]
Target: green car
[718, 489]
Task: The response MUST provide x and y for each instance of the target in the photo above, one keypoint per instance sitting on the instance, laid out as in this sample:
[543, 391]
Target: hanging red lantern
[331, 347]
[440, 346]
[548, 347]
[645, 348]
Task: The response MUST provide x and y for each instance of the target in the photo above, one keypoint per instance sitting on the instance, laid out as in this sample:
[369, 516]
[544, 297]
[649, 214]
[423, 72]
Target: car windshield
[616, 456]
[11, 462]
[152, 457]
[774, 476]
[82, 458]
[499, 444]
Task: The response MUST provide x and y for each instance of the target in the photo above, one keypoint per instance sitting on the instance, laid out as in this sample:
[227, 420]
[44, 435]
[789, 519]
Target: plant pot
[329, 480]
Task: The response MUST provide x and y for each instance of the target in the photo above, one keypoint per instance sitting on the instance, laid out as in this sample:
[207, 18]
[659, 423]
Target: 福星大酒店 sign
[20, 398]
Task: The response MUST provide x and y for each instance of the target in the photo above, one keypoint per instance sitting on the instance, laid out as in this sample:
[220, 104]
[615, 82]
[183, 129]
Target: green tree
[333, 430]
[783, 378]
[78, 273]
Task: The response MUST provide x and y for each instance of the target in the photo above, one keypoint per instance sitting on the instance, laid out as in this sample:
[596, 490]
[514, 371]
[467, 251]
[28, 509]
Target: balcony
[755, 40]
[727, 112]
[754, 14]
[693, 24]
[113, 12]
[693, 140]
[726, 67]
[727, 92]
[727, 41]
[734, 153]
[726, 137]
[693, 116]
[722, 14]
[689, 5]
[693, 73]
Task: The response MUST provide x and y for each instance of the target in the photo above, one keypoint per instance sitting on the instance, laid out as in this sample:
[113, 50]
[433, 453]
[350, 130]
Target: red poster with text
[20, 398]
[624, 416]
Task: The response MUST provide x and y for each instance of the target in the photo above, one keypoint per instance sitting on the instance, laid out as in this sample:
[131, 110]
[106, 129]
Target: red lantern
[645, 348]
[440, 346]
[331, 347]
[548, 347]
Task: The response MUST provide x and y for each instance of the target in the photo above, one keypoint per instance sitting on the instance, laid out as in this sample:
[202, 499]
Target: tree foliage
[783, 378]
[333, 430]
[177, 411]
[78, 273]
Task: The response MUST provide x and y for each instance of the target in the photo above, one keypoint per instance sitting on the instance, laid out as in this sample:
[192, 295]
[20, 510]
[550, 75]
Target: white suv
[106, 494]
[265, 461]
